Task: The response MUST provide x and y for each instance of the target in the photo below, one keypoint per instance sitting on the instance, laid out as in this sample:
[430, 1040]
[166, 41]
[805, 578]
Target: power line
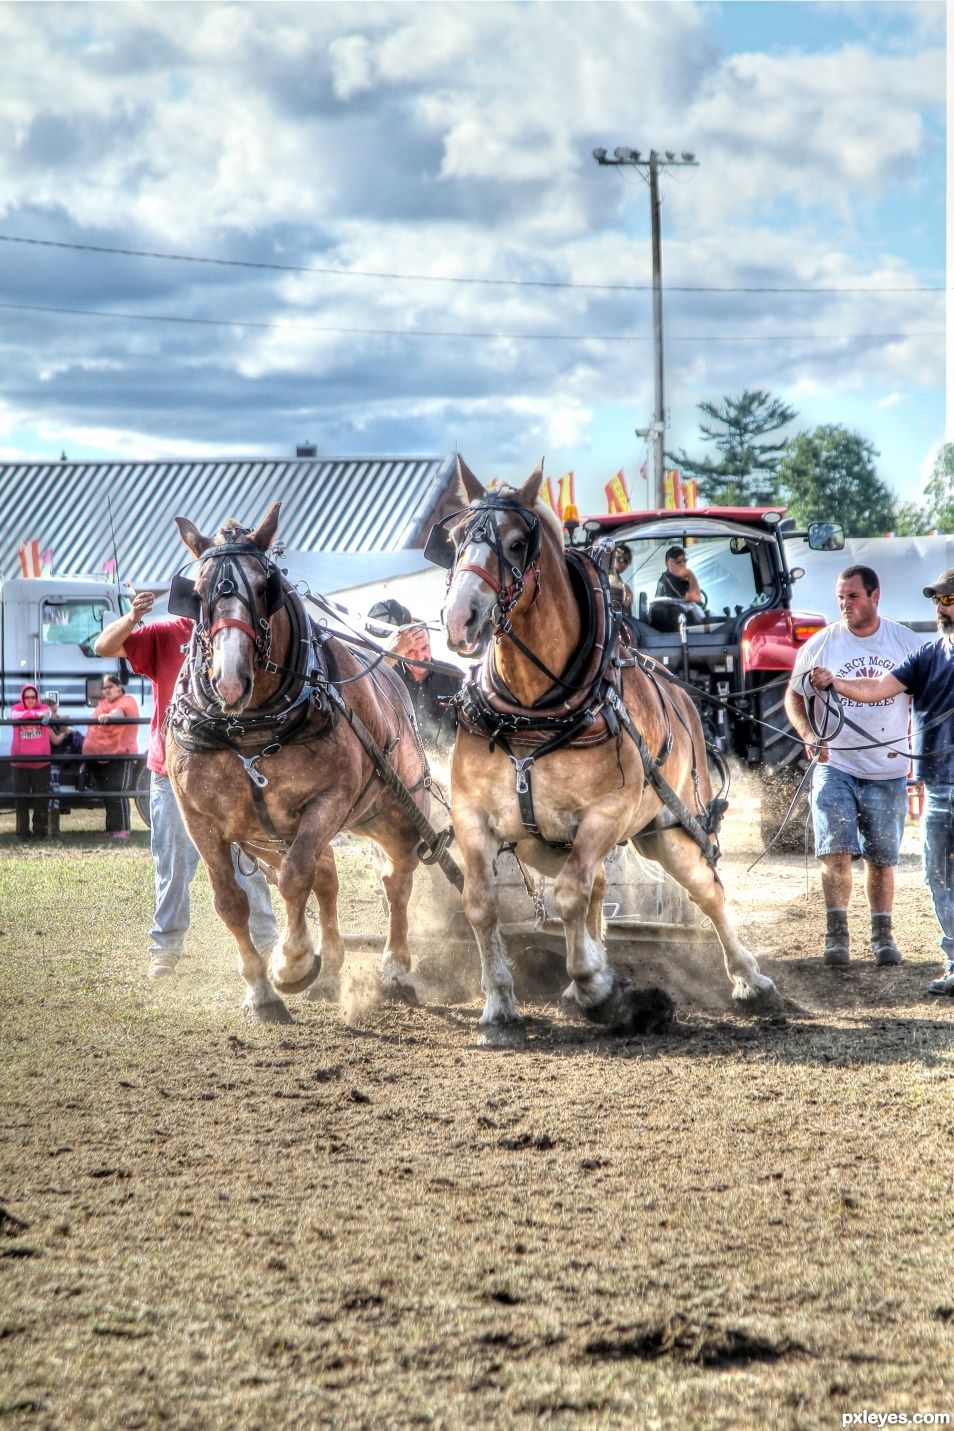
[460, 333]
[459, 279]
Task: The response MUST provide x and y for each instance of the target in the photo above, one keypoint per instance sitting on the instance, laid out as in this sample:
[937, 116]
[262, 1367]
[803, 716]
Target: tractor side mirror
[826, 536]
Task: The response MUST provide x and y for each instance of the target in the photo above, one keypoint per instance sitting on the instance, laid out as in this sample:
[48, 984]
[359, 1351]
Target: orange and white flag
[29, 554]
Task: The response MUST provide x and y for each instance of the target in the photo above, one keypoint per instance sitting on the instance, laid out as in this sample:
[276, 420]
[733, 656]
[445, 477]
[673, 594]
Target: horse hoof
[298, 986]
[400, 991]
[270, 1013]
[760, 998]
[509, 1035]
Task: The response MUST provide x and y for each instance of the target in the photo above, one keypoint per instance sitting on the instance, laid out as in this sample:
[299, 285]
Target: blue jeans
[939, 861]
[176, 859]
[853, 816]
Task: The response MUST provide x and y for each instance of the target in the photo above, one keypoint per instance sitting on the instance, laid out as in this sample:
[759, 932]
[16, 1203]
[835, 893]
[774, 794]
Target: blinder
[184, 599]
[441, 549]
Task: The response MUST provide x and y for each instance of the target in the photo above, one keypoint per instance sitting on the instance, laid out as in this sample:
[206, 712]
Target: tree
[746, 471]
[829, 475]
[939, 492]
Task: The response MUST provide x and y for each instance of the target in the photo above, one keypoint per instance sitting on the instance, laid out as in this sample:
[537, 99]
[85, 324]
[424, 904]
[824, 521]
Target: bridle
[482, 527]
[228, 580]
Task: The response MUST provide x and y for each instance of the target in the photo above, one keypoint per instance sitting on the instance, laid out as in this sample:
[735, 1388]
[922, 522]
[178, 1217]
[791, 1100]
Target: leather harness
[583, 709]
[306, 707]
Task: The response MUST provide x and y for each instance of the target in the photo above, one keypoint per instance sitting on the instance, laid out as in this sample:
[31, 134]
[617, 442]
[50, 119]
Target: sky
[410, 248]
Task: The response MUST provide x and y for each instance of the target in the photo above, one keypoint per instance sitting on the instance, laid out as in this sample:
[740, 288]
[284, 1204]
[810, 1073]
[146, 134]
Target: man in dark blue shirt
[927, 674]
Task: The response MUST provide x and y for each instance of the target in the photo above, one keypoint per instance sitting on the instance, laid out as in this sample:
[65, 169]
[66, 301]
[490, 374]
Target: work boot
[162, 965]
[836, 939]
[883, 947]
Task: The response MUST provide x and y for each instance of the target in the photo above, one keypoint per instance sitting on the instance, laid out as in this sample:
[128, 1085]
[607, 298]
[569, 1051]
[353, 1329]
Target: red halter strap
[480, 571]
[228, 621]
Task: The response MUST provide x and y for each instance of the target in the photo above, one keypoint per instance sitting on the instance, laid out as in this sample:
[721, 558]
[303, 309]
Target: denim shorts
[851, 816]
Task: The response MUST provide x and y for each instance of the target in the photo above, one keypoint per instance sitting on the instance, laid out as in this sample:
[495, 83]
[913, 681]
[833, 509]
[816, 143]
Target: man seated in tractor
[677, 581]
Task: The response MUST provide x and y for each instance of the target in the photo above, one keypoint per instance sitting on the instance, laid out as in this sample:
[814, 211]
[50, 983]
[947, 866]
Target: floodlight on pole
[653, 164]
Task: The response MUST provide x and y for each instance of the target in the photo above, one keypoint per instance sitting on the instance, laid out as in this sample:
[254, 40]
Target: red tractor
[737, 645]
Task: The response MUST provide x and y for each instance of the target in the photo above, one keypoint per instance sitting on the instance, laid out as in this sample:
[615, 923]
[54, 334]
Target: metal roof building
[328, 504]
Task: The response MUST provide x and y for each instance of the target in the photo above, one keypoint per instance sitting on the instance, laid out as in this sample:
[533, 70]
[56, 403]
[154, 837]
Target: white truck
[47, 629]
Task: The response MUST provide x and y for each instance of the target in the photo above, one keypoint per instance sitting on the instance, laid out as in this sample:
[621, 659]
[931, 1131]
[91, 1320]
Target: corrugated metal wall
[328, 504]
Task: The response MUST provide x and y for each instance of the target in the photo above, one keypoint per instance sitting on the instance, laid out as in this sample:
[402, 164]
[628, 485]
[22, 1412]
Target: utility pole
[652, 166]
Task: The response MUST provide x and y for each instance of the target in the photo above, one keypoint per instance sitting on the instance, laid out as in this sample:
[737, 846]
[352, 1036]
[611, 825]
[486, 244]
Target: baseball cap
[942, 585]
[391, 611]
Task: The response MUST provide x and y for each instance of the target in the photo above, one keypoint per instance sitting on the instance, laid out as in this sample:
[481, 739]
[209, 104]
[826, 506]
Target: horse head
[497, 546]
[235, 594]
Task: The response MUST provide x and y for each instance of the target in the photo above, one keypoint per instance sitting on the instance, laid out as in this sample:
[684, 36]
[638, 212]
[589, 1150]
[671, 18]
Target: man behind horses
[155, 651]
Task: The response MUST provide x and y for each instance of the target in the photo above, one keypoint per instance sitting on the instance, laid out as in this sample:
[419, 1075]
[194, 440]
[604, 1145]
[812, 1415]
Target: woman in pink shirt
[31, 776]
[107, 738]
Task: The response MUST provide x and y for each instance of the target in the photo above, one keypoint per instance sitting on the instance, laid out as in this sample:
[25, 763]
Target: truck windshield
[72, 623]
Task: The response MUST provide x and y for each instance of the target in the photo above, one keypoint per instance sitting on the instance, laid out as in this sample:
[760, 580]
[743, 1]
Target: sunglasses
[946, 600]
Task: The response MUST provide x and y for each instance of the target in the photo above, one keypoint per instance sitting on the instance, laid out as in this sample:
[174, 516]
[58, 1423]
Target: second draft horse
[562, 740]
[262, 752]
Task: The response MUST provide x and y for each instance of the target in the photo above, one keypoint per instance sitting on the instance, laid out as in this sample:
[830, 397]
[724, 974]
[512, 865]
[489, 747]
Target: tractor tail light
[804, 630]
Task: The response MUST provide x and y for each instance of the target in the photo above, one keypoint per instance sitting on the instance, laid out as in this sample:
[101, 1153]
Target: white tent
[905, 565]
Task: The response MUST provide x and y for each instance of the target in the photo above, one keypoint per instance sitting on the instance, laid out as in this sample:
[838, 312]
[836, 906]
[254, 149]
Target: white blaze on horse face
[470, 601]
[233, 657]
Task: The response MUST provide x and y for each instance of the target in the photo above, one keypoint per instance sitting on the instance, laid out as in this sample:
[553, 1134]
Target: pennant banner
[546, 493]
[29, 554]
[565, 495]
[617, 494]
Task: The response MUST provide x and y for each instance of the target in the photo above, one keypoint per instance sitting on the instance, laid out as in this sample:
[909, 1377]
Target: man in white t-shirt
[859, 786]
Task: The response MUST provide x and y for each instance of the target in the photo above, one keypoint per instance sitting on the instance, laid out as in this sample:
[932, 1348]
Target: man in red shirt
[157, 651]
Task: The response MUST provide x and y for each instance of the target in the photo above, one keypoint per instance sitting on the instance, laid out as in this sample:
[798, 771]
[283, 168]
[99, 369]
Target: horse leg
[500, 1024]
[578, 900]
[679, 855]
[295, 963]
[398, 881]
[232, 906]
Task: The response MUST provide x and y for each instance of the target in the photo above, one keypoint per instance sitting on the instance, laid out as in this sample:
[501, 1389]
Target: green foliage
[746, 471]
[829, 475]
[939, 492]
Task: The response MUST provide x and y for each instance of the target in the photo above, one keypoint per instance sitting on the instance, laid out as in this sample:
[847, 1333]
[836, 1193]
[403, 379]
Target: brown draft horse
[510, 599]
[259, 756]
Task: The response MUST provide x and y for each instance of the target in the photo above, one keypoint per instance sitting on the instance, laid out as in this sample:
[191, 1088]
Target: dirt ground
[364, 1220]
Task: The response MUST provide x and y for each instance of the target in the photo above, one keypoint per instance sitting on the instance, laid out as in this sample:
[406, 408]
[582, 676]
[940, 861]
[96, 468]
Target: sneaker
[836, 952]
[944, 985]
[887, 952]
[161, 965]
[120, 834]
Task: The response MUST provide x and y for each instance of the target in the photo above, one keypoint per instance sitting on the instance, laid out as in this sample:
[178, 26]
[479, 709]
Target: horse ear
[264, 533]
[473, 487]
[530, 490]
[192, 537]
